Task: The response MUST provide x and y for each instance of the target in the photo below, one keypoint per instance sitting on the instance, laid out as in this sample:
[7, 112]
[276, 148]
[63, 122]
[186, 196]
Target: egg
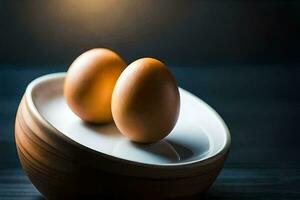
[145, 101]
[89, 84]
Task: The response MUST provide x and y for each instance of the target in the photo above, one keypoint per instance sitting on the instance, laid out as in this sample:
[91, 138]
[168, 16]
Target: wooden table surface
[260, 104]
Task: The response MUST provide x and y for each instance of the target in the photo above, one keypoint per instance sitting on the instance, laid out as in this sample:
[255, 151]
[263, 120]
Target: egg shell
[89, 84]
[145, 102]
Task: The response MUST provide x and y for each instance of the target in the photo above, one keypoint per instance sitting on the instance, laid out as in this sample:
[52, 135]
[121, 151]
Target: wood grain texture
[259, 103]
[62, 169]
[234, 182]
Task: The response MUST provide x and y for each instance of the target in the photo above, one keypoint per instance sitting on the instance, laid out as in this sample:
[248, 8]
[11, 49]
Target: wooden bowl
[67, 158]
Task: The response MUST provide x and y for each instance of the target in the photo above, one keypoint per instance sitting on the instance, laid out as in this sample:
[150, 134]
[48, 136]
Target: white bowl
[193, 153]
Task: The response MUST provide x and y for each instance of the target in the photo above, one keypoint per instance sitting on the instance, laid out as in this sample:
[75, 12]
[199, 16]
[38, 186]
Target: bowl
[65, 157]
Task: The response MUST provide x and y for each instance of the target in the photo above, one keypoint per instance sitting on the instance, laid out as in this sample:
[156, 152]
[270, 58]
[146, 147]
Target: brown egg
[89, 84]
[145, 101]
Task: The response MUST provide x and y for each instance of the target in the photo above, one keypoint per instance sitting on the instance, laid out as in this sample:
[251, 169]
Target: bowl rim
[188, 164]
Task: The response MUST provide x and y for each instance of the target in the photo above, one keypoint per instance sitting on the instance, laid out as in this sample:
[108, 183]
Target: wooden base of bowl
[62, 166]
[61, 170]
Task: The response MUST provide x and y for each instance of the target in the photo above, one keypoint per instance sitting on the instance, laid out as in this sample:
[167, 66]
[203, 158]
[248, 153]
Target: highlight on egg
[89, 84]
[145, 101]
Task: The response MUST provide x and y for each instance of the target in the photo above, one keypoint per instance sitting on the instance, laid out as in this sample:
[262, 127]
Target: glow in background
[177, 31]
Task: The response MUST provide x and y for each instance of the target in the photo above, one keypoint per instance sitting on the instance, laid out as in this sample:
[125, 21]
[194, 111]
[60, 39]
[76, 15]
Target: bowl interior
[198, 135]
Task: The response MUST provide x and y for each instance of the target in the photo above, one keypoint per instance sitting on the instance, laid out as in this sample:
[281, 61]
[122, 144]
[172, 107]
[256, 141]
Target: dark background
[241, 57]
[179, 32]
